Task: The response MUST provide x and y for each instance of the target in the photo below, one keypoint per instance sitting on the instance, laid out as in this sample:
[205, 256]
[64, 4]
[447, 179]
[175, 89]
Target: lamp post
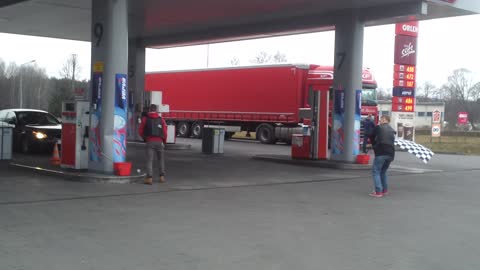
[21, 81]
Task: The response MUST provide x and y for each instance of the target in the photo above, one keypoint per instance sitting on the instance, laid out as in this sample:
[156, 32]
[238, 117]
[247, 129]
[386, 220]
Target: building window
[429, 114]
[420, 114]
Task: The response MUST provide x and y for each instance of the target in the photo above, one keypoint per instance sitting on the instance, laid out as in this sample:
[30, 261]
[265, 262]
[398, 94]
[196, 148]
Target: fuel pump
[75, 127]
[312, 143]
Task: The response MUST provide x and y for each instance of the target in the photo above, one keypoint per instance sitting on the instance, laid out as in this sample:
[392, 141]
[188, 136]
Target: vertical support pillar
[108, 122]
[349, 32]
[136, 75]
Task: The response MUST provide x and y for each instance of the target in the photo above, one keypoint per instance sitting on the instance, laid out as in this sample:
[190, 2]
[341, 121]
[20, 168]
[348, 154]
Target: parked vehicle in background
[34, 129]
[261, 99]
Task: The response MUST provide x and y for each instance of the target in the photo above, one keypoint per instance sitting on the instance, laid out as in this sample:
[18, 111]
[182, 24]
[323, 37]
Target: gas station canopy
[156, 23]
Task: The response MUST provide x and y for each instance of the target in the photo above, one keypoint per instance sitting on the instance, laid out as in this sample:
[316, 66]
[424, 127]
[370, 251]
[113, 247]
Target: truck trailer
[262, 99]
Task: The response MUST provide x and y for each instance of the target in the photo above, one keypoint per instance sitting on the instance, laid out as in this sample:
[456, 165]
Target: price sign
[404, 83]
[403, 107]
[403, 100]
[404, 68]
[404, 76]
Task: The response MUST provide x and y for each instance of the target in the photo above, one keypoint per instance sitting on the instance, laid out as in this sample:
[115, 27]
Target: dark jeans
[155, 149]
[380, 167]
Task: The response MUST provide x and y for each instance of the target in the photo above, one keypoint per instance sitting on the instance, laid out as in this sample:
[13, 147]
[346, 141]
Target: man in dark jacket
[382, 139]
[154, 131]
[368, 127]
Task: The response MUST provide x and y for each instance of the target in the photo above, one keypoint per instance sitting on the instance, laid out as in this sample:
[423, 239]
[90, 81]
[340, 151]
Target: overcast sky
[444, 45]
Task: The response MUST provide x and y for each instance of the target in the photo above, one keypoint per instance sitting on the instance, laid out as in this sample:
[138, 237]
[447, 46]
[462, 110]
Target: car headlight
[40, 135]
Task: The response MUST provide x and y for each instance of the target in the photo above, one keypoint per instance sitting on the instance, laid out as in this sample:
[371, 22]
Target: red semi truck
[261, 99]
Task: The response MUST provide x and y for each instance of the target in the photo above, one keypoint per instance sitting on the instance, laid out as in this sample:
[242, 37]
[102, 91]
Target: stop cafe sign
[436, 116]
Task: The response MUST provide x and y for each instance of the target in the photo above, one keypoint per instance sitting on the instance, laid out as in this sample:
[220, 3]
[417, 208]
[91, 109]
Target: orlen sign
[407, 29]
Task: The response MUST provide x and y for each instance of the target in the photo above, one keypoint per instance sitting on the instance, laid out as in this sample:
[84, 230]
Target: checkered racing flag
[416, 149]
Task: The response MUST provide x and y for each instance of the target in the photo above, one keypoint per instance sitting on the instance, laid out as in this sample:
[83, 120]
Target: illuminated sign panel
[404, 68]
[404, 76]
[403, 100]
[403, 108]
[403, 83]
[403, 92]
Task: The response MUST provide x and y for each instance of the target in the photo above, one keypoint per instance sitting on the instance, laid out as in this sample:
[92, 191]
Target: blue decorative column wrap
[120, 119]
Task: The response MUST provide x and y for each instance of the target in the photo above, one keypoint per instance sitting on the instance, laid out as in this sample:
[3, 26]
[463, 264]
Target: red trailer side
[255, 94]
[264, 99]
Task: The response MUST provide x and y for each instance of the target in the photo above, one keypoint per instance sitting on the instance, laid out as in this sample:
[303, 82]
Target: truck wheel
[183, 129]
[266, 134]
[229, 135]
[197, 130]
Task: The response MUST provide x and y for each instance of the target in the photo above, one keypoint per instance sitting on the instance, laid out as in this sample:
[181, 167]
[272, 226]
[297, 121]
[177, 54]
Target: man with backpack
[154, 131]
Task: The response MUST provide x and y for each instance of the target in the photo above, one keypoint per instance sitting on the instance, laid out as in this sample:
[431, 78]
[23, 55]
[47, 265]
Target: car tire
[197, 130]
[183, 129]
[229, 135]
[266, 134]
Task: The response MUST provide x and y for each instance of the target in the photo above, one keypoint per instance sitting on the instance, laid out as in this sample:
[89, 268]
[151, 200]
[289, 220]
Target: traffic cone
[55, 160]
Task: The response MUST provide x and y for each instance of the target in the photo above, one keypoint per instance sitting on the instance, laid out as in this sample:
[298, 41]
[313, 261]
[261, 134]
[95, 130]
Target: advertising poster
[462, 118]
[403, 123]
[338, 122]
[120, 119]
[131, 132]
[358, 119]
[95, 142]
[338, 135]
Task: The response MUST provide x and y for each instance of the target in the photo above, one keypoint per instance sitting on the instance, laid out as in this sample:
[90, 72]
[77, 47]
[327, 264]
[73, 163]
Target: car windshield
[36, 118]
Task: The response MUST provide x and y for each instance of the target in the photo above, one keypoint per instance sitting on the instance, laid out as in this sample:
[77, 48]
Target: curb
[178, 146]
[81, 176]
[284, 159]
[175, 146]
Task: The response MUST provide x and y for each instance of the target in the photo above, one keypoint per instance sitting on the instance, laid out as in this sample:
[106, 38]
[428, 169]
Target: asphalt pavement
[234, 212]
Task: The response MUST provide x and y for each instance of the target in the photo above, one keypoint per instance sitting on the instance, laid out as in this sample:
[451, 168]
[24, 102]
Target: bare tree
[384, 94]
[71, 70]
[235, 61]
[279, 58]
[461, 94]
[460, 86]
[2, 68]
[265, 58]
[261, 58]
[11, 70]
[426, 92]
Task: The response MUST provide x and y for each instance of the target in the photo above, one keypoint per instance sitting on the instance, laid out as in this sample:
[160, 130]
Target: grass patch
[446, 144]
[451, 144]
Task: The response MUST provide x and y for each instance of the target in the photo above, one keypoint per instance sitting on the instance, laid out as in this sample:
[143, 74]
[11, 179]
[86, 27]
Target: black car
[34, 129]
